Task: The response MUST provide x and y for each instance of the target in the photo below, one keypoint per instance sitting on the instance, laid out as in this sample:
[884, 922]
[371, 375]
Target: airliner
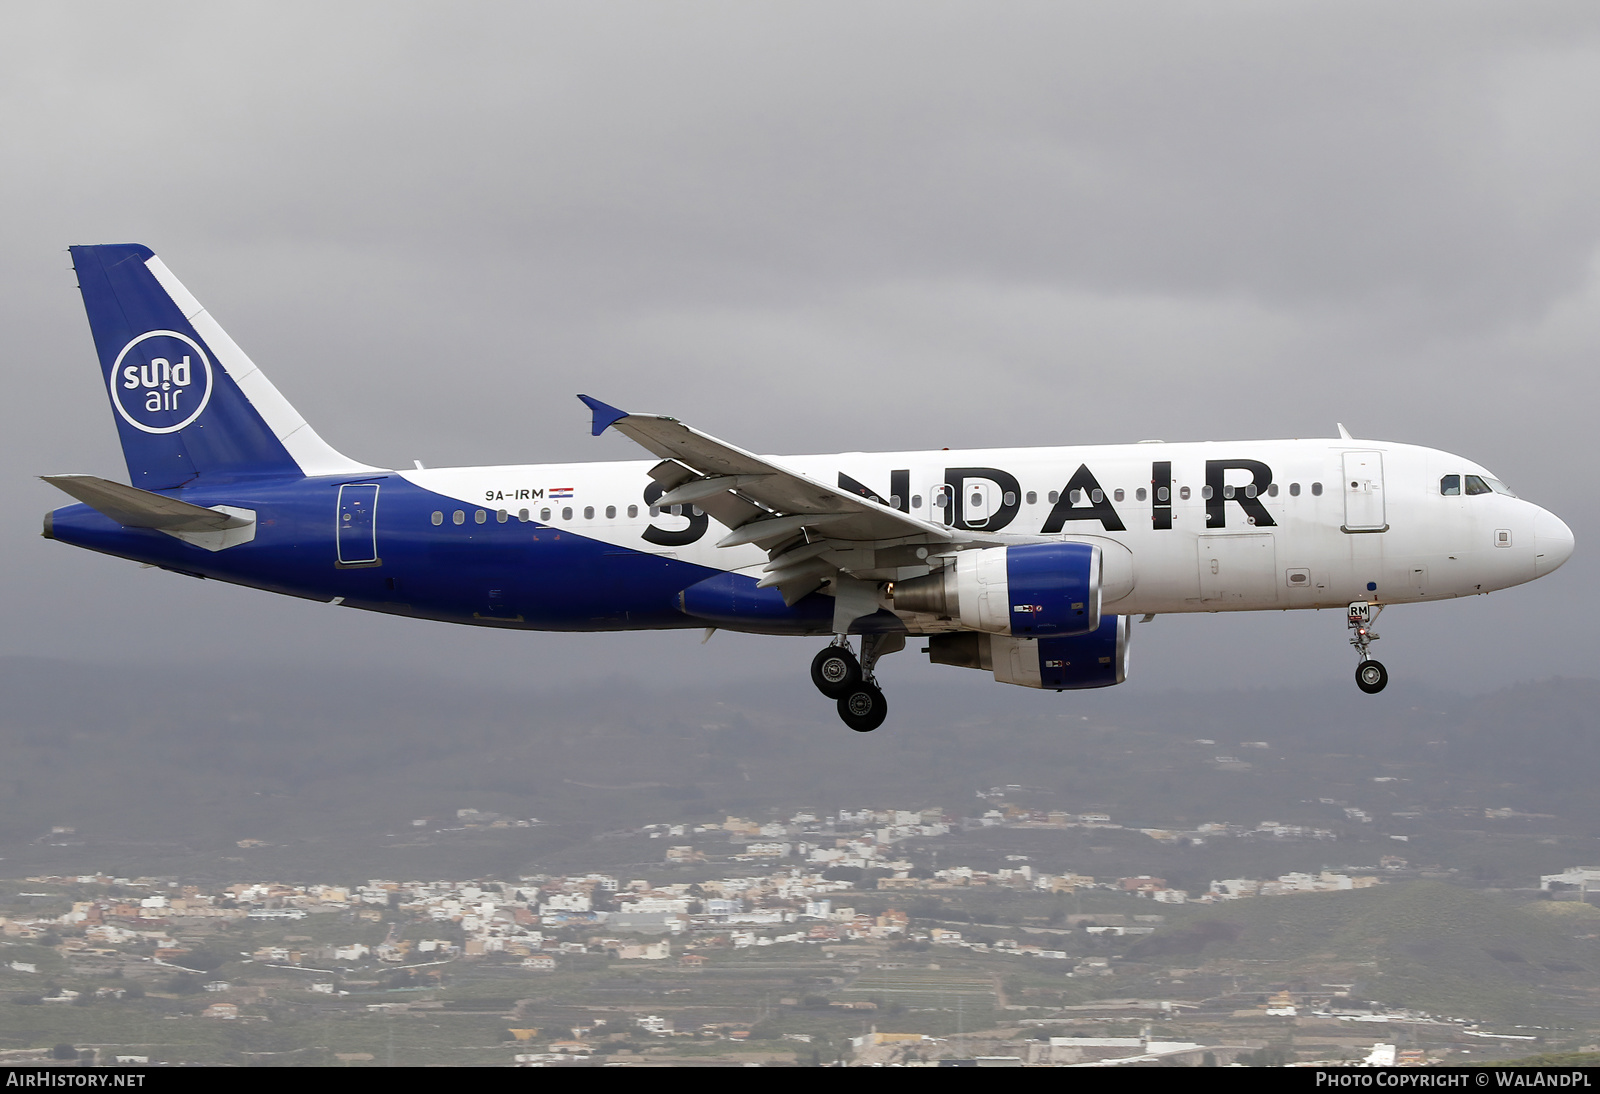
[1027, 563]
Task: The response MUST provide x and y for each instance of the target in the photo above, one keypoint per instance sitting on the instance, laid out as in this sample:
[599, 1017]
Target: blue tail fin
[186, 399]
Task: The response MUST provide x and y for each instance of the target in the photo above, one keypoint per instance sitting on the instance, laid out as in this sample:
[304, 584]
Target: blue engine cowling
[1053, 589]
[1096, 660]
[1033, 590]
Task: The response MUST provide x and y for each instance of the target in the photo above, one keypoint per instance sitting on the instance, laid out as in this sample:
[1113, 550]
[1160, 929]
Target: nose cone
[1552, 541]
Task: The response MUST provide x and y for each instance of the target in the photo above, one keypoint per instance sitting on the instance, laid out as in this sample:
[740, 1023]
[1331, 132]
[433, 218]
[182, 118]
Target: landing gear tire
[835, 671]
[1371, 677]
[863, 708]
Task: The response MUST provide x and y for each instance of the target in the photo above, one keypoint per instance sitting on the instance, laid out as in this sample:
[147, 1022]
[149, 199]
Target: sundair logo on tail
[161, 381]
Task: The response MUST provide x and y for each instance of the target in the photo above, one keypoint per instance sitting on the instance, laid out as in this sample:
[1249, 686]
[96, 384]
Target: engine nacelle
[1035, 589]
[1096, 660]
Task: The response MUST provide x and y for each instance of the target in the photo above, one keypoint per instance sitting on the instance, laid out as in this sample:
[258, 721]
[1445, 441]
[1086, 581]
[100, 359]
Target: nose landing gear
[840, 676]
[1371, 676]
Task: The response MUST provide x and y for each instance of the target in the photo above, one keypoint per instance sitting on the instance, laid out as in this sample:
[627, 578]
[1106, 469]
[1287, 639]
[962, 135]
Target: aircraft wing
[782, 510]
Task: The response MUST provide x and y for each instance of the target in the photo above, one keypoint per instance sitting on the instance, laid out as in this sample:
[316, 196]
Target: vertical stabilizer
[186, 399]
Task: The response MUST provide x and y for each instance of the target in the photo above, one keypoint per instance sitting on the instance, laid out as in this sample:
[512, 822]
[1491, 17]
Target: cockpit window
[1450, 486]
[1498, 487]
[1475, 485]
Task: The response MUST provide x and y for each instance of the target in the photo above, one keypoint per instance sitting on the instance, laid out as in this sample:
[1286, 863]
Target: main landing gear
[1371, 676]
[847, 680]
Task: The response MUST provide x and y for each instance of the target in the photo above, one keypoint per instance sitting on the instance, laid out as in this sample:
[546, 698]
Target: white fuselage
[1284, 524]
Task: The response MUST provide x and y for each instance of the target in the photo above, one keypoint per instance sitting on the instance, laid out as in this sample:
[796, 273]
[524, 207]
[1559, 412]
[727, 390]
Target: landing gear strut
[849, 681]
[1371, 676]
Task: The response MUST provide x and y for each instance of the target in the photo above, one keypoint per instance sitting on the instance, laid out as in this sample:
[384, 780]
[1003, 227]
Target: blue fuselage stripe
[511, 574]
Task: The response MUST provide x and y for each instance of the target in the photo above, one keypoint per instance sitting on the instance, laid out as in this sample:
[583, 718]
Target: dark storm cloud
[906, 225]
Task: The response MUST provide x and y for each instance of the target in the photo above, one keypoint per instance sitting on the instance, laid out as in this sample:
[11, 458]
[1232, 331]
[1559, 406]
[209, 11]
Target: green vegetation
[1425, 945]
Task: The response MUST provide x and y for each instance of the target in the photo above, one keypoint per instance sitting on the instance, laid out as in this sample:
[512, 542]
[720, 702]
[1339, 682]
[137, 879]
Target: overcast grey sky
[815, 227]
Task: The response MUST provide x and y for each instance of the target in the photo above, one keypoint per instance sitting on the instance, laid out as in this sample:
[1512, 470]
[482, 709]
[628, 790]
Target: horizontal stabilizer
[135, 508]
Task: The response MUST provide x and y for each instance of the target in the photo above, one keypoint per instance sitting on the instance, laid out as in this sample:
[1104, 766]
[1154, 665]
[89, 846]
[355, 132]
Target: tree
[203, 960]
[1270, 1056]
[63, 1052]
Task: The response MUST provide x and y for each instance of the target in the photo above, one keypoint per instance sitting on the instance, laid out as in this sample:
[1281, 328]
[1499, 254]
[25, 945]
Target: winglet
[605, 416]
[1344, 434]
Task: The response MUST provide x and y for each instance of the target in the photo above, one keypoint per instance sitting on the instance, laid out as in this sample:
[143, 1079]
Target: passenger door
[1363, 492]
[356, 532]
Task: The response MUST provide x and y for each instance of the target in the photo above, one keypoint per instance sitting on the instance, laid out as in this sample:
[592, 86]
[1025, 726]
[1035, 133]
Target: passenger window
[1075, 497]
[697, 511]
[611, 512]
[1294, 490]
[633, 510]
[522, 515]
[1008, 499]
[676, 510]
[1205, 492]
[1272, 490]
[1227, 491]
[1096, 496]
[544, 515]
[1033, 497]
[1138, 495]
[655, 510]
[501, 516]
[1183, 493]
[480, 516]
[894, 501]
[1316, 489]
[458, 517]
[1163, 494]
[916, 501]
[566, 512]
[1250, 491]
[1476, 485]
[1450, 486]
[588, 512]
[1117, 494]
[438, 517]
[1054, 496]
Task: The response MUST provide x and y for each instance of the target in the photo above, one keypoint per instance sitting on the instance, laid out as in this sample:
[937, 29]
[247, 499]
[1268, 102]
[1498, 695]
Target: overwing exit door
[978, 503]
